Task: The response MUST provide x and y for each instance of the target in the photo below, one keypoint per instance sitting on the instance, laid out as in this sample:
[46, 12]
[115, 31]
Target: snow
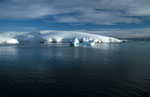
[49, 36]
[76, 38]
[77, 42]
[12, 41]
[8, 41]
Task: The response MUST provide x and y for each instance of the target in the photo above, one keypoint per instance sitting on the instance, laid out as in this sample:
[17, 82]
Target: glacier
[49, 36]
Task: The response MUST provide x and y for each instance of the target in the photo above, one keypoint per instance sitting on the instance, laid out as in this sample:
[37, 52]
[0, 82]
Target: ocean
[49, 70]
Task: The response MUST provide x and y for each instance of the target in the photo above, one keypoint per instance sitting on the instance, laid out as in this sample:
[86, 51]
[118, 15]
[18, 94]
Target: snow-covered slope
[50, 36]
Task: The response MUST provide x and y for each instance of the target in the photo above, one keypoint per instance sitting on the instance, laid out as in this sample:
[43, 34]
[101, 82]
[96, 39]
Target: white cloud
[141, 33]
[107, 12]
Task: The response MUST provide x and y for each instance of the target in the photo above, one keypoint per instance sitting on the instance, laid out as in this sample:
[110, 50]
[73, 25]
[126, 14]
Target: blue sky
[39, 24]
[87, 15]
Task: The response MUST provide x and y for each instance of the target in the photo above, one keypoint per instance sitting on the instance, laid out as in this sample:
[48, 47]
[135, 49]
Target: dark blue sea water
[106, 70]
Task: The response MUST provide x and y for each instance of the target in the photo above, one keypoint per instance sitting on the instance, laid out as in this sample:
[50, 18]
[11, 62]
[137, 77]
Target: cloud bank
[104, 12]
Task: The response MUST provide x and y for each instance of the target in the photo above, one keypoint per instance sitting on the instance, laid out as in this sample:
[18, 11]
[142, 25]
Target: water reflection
[8, 52]
[104, 70]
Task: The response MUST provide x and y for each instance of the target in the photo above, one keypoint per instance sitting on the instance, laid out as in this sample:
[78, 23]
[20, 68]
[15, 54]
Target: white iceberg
[50, 36]
[12, 41]
[76, 38]
[77, 42]
[8, 41]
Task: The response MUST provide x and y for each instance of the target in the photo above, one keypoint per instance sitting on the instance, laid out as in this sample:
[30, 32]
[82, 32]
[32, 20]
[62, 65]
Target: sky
[92, 16]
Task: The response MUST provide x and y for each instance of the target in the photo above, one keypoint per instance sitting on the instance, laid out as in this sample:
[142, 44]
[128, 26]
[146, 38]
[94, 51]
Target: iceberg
[77, 42]
[12, 41]
[75, 38]
[8, 38]
[8, 41]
